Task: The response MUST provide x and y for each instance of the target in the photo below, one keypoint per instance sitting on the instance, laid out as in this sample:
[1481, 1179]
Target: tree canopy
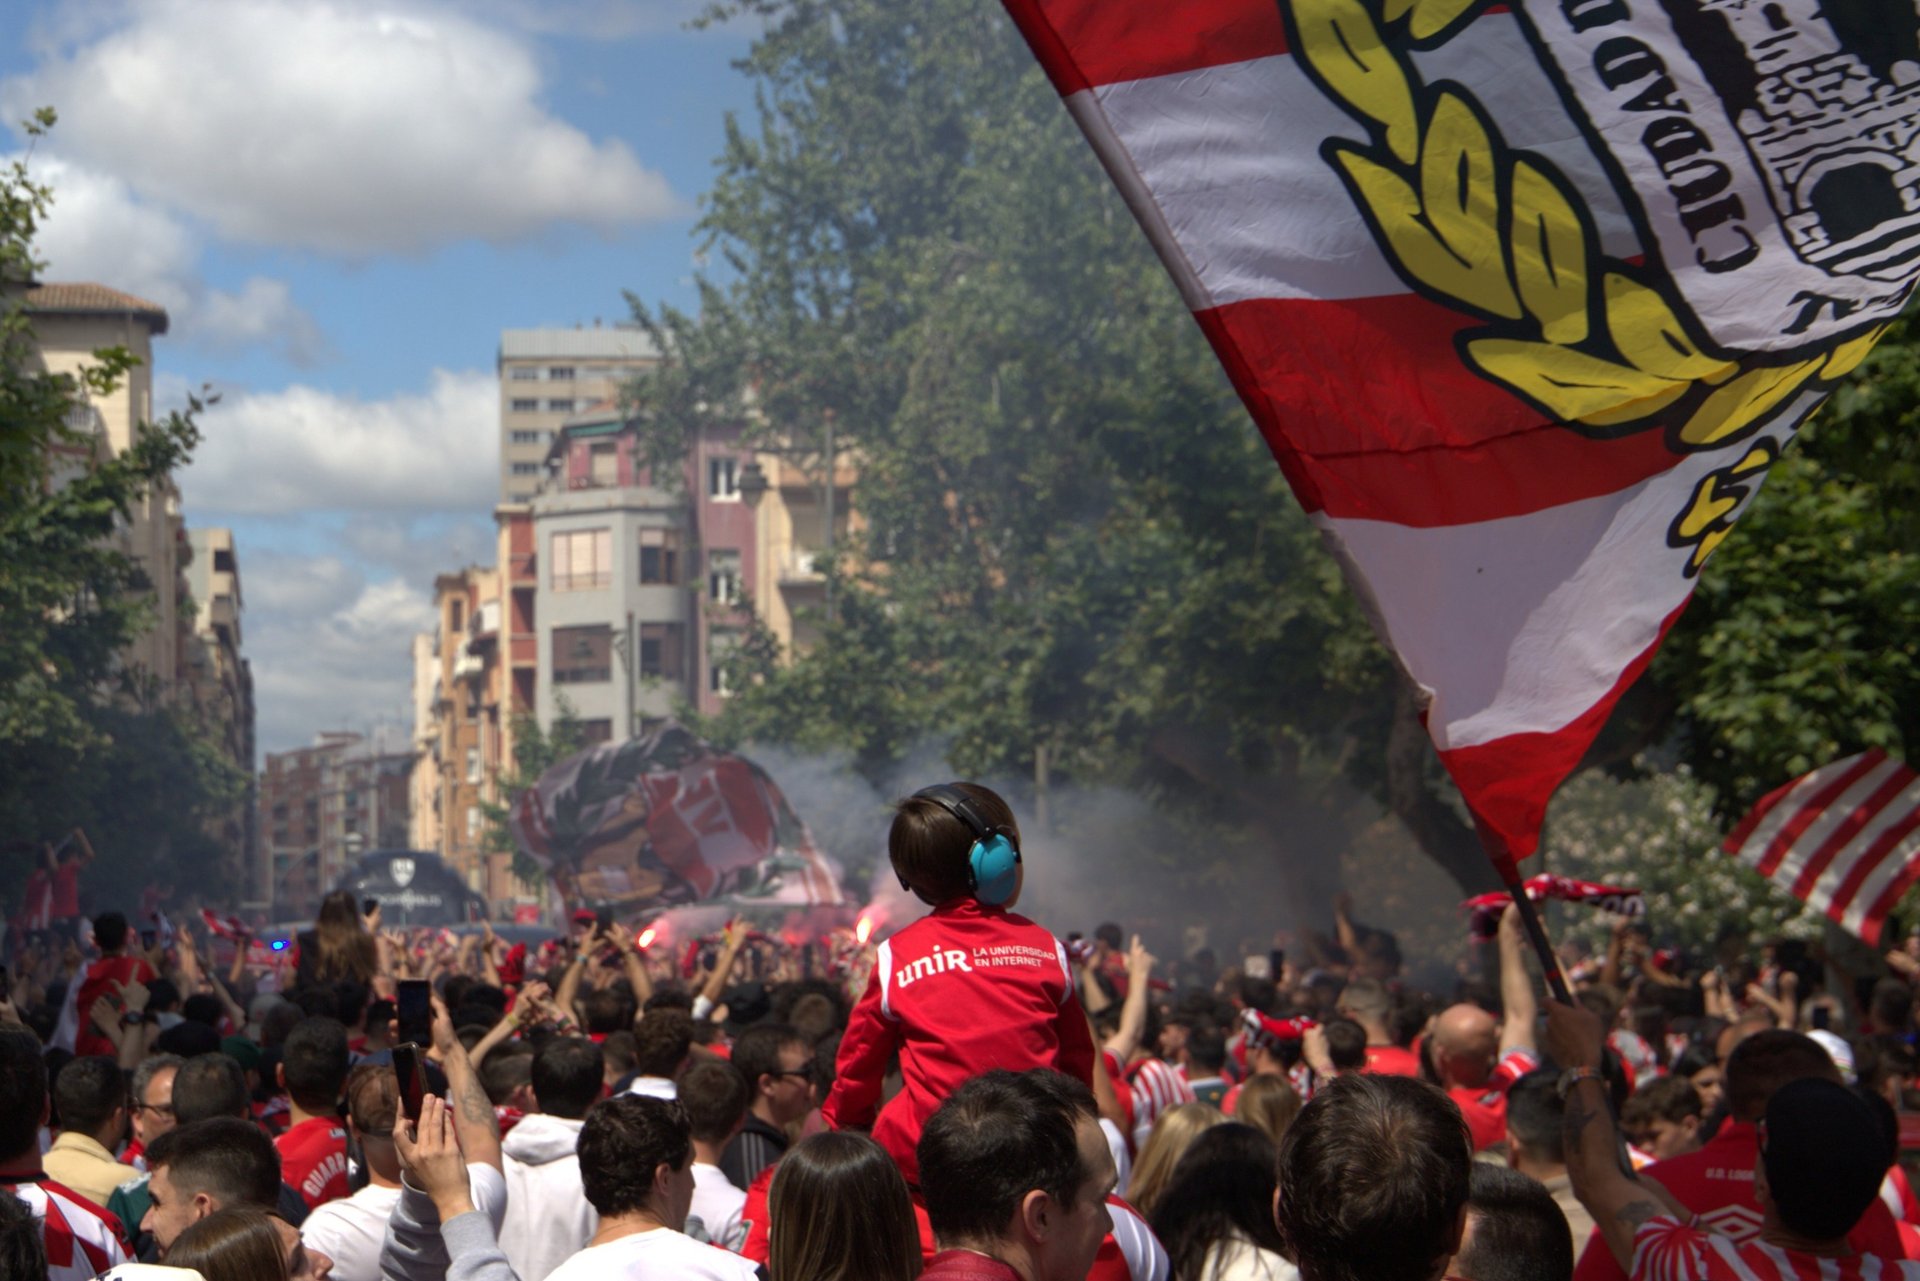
[1080, 561]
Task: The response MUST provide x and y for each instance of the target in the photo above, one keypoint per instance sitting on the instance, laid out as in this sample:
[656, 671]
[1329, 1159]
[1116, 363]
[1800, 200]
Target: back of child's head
[928, 843]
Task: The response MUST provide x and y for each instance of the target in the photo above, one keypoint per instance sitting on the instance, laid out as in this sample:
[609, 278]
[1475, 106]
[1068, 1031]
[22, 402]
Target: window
[660, 650]
[582, 560]
[603, 463]
[720, 648]
[473, 822]
[526, 469]
[525, 405]
[456, 615]
[560, 405]
[582, 655]
[660, 557]
[560, 373]
[595, 732]
[723, 479]
[523, 374]
[527, 437]
[473, 765]
[723, 576]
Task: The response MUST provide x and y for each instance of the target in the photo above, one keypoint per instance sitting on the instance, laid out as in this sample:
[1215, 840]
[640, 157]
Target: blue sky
[341, 205]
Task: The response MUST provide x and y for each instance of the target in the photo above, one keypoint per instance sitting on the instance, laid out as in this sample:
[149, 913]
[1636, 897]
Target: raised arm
[709, 995]
[473, 1117]
[1603, 1178]
[632, 964]
[1133, 1012]
[1520, 1008]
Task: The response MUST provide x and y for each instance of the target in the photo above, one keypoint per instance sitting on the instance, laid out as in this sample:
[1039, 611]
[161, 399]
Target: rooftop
[619, 342]
[83, 298]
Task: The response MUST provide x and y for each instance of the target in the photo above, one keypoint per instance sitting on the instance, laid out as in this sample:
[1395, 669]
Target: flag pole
[1542, 946]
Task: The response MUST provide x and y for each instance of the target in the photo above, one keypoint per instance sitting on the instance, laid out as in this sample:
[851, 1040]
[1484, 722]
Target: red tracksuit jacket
[963, 990]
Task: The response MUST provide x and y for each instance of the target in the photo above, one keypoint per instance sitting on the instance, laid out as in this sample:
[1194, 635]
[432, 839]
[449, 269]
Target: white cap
[1838, 1050]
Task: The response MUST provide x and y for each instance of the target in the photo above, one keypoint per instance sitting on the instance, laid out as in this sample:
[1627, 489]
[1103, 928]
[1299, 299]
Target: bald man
[1479, 1057]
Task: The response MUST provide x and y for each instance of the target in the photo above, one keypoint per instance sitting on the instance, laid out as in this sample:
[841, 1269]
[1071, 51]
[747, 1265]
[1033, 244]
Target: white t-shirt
[717, 1204]
[349, 1231]
[659, 1255]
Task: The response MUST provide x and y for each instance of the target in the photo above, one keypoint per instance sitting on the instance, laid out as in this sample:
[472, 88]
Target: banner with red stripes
[1844, 839]
[1525, 299]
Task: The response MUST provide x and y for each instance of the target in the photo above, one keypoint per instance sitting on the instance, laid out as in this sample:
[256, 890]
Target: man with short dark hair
[313, 1070]
[105, 977]
[1822, 1154]
[661, 1043]
[1534, 1146]
[350, 1230]
[1715, 1182]
[778, 1067]
[152, 1104]
[91, 1097]
[1016, 1171]
[1373, 1181]
[636, 1159]
[1206, 1063]
[1368, 1002]
[548, 1220]
[80, 1239]
[714, 1095]
[218, 1164]
[1515, 1230]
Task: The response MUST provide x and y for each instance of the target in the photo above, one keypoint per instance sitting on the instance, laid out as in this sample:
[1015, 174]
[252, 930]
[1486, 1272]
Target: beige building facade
[549, 375]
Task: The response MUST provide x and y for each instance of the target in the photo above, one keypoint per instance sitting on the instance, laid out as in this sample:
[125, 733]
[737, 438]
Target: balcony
[802, 568]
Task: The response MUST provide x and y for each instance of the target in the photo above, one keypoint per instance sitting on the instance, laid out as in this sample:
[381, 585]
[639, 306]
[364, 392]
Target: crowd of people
[968, 1097]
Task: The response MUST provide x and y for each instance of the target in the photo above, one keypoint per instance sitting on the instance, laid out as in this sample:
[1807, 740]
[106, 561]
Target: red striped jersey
[81, 1239]
[1665, 1249]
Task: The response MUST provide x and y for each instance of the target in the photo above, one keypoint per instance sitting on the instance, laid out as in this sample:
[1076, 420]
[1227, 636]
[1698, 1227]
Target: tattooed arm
[1603, 1178]
[474, 1122]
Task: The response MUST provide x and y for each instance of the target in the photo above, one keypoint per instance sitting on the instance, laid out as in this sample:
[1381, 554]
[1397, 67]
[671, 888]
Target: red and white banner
[1844, 839]
[1525, 299]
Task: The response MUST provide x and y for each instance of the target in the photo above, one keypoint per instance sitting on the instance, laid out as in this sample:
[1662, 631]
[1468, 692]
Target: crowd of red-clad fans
[970, 1096]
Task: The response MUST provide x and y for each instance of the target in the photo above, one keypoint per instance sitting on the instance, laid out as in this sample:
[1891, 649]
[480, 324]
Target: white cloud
[339, 127]
[329, 649]
[263, 314]
[301, 449]
[594, 19]
[99, 230]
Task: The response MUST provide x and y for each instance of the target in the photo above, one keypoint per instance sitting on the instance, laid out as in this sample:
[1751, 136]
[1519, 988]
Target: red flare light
[863, 930]
[647, 936]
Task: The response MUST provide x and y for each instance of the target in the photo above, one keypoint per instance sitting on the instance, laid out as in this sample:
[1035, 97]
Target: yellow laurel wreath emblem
[1588, 338]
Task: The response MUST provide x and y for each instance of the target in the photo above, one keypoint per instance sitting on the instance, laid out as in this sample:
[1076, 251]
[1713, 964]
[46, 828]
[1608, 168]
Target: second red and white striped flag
[1844, 839]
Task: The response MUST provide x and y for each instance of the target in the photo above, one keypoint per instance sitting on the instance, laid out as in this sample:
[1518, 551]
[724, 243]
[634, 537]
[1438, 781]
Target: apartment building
[71, 321]
[547, 376]
[324, 806]
[219, 682]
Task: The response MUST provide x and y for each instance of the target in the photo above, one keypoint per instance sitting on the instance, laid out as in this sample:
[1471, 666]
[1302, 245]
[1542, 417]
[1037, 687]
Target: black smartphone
[6, 983]
[1822, 1017]
[603, 920]
[147, 938]
[367, 905]
[416, 1011]
[412, 1076]
[1277, 958]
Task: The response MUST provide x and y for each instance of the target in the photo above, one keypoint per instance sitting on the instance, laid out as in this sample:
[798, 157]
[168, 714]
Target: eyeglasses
[805, 1073]
[164, 1109]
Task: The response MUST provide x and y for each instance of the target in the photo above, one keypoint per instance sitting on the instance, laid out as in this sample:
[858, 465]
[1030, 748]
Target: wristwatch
[1572, 1077]
[132, 1016]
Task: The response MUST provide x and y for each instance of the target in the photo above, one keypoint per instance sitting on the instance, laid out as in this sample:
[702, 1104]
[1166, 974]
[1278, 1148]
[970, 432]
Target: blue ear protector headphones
[993, 862]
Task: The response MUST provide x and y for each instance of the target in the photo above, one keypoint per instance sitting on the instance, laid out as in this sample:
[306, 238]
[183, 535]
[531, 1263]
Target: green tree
[1080, 560]
[82, 738]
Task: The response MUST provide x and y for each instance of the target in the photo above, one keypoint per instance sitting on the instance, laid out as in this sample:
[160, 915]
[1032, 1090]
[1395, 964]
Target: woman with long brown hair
[838, 1210]
[232, 1245]
[339, 946]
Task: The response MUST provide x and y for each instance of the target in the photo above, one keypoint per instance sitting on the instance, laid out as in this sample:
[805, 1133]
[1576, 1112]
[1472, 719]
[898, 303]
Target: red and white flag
[226, 925]
[1844, 839]
[1525, 298]
[1484, 910]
